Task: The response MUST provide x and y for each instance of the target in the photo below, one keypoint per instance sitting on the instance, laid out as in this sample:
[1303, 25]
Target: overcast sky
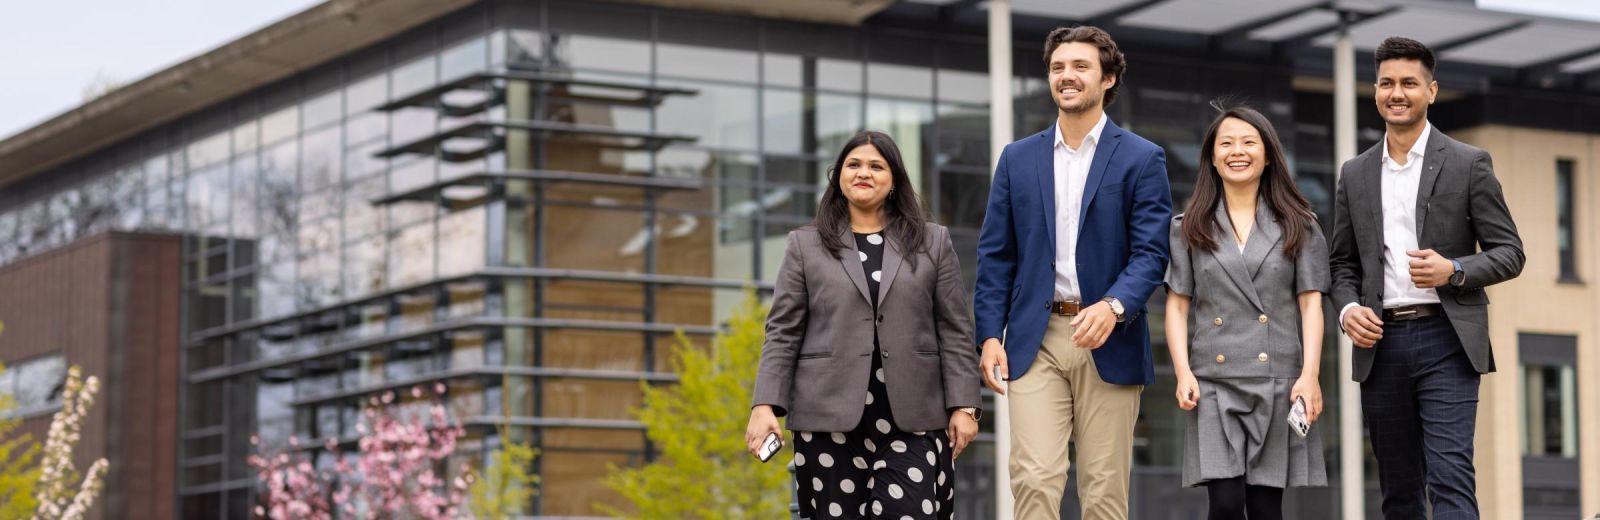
[51, 51]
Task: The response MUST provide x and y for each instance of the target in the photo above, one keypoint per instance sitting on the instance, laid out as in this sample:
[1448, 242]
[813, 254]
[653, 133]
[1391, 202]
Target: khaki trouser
[1061, 398]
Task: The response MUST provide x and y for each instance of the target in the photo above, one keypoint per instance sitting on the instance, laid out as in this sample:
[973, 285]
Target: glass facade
[525, 200]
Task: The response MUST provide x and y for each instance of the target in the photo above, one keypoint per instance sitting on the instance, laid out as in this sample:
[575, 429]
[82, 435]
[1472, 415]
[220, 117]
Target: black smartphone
[770, 446]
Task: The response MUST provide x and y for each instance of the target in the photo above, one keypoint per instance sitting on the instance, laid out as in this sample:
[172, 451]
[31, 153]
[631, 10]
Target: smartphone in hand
[1297, 418]
[770, 446]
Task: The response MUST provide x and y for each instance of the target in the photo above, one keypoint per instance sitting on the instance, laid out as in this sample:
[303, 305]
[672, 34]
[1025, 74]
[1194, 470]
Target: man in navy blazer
[1073, 242]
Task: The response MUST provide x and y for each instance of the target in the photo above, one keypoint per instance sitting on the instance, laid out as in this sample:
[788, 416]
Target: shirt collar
[1418, 149]
[1092, 137]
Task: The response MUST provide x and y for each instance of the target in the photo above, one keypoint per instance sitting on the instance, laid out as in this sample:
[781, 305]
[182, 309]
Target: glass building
[527, 200]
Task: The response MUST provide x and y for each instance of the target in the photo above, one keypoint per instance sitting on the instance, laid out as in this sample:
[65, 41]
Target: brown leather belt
[1066, 308]
[1412, 312]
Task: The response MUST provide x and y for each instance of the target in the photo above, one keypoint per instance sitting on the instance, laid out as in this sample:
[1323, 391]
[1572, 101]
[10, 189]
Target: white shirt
[1400, 183]
[1071, 173]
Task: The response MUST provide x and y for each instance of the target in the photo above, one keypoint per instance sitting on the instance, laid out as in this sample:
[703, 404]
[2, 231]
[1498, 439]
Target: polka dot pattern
[886, 476]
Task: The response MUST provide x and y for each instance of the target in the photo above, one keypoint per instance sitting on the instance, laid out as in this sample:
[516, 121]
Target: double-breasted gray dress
[1244, 349]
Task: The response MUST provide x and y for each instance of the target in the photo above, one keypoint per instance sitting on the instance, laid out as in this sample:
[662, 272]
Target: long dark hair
[1282, 197]
[903, 220]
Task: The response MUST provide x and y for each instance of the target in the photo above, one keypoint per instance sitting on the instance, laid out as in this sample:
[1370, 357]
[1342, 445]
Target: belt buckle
[1405, 315]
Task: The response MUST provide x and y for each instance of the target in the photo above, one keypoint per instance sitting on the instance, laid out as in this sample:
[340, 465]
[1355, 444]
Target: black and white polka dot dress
[875, 470]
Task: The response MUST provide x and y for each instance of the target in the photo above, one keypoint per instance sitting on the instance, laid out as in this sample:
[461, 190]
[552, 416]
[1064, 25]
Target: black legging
[1232, 499]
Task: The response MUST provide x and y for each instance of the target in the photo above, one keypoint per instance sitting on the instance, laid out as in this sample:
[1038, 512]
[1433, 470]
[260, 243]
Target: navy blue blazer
[1122, 248]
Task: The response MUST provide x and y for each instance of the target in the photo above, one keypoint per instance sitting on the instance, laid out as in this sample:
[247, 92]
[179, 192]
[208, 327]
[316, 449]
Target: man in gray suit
[1409, 219]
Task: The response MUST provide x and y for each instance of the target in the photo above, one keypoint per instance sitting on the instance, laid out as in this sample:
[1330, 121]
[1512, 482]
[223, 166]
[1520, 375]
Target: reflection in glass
[884, 79]
[719, 116]
[464, 58]
[525, 46]
[692, 61]
[320, 110]
[411, 77]
[910, 123]
[462, 242]
[280, 125]
[808, 123]
[597, 52]
[411, 259]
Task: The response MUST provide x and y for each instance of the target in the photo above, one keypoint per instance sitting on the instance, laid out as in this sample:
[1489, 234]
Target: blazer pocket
[814, 355]
[1473, 297]
[926, 353]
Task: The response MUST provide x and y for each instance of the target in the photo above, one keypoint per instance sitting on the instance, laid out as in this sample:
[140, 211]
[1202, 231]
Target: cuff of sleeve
[1341, 315]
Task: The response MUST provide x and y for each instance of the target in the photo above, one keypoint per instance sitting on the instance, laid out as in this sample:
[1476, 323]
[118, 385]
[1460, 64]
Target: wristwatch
[1458, 278]
[1116, 306]
[974, 412]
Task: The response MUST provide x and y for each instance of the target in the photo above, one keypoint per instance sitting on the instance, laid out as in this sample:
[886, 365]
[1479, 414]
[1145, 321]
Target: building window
[1550, 421]
[1565, 234]
[1550, 476]
[36, 384]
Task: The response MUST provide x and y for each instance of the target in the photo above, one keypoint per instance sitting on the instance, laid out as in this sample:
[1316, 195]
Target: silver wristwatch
[1116, 306]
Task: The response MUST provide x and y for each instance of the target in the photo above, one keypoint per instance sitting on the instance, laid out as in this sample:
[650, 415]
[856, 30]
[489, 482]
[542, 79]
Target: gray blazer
[1245, 305]
[814, 364]
[1460, 208]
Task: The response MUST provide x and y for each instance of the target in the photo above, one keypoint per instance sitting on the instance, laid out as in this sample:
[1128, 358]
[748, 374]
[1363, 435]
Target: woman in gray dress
[1251, 264]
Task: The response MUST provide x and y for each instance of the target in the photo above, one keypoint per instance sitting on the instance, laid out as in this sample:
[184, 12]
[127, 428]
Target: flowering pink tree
[396, 474]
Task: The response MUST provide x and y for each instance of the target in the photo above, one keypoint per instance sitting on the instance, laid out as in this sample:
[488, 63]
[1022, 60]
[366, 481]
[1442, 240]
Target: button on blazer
[1245, 305]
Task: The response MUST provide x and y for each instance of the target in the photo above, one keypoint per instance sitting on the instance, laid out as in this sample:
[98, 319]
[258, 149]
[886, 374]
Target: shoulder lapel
[1044, 167]
[1370, 181]
[1227, 254]
[1432, 164]
[1263, 236]
[892, 256]
[1110, 136]
[852, 265]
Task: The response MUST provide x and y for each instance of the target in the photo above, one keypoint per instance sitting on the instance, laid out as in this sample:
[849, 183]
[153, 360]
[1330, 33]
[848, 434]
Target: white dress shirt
[1071, 173]
[1399, 192]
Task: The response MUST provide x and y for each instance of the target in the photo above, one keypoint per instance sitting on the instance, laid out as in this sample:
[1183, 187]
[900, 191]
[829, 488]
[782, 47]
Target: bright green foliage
[19, 464]
[506, 485]
[698, 424]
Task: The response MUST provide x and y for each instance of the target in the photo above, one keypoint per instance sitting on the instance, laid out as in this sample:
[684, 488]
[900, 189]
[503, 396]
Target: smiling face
[1405, 88]
[865, 178]
[1238, 153]
[1077, 83]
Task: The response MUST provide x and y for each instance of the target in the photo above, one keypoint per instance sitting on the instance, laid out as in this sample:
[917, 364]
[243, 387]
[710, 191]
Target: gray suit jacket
[1460, 209]
[1246, 305]
[814, 364]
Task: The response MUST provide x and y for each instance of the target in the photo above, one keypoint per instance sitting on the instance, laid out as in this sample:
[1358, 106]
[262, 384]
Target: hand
[762, 422]
[1429, 270]
[1188, 391]
[1363, 326]
[994, 355]
[963, 428]
[1308, 388]
[1092, 326]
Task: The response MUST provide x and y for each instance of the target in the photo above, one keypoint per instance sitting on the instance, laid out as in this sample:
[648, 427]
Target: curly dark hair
[1112, 62]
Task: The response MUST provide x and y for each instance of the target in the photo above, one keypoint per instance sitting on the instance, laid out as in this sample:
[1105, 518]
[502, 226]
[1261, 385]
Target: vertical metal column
[1000, 123]
[1351, 482]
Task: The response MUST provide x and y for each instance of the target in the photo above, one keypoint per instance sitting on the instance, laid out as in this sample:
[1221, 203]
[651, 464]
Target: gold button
[1262, 358]
[1262, 318]
[1221, 358]
[1217, 321]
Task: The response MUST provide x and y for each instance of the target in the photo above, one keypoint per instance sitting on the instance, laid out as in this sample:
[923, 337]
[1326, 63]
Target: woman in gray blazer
[869, 348]
[1251, 264]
